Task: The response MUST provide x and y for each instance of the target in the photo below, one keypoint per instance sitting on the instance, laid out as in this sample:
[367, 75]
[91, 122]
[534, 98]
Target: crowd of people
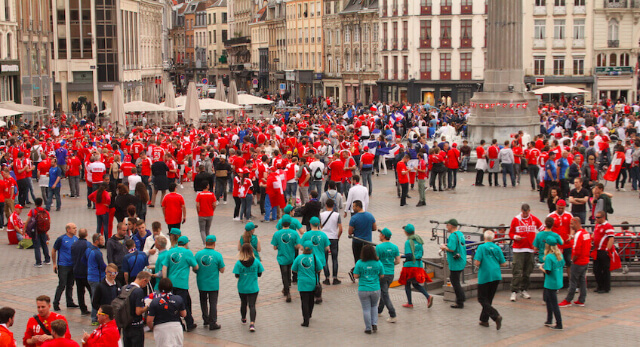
[317, 165]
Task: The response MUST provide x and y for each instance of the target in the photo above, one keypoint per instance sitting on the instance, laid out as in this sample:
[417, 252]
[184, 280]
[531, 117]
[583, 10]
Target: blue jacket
[78, 250]
[95, 264]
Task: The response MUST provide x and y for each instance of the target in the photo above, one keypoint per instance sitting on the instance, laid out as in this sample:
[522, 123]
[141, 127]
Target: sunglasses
[112, 273]
[101, 314]
[599, 217]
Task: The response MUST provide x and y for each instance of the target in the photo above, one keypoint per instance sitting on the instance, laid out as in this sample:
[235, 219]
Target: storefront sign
[10, 69]
[614, 70]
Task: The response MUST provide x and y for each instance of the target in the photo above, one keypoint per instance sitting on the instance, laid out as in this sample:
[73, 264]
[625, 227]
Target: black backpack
[122, 307]
[317, 174]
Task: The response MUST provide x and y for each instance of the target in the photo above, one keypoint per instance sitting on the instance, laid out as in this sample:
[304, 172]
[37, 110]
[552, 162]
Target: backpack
[36, 157]
[317, 174]
[43, 221]
[122, 307]
[30, 228]
[335, 207]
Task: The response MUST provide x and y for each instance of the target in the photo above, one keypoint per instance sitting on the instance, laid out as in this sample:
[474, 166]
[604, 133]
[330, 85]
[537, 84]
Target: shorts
[566, 253]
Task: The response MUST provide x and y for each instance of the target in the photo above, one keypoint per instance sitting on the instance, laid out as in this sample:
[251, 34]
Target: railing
[425, 10]
[425, 43]
[539, 10]
[404, 44]
[466, 9]
[559, 10]
[445, 9]
[613, 43]
[465, 42]
[615, 4]
[445, 42]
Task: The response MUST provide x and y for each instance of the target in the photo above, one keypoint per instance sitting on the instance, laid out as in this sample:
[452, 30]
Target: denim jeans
[551, 299]
[103, 224]
[245, 208]
[40, 241]
[33, 197]
[452, 178]
[94, 311]
[465, 162]
[508, 169]
[369, 301]
[273, 211]
[416, 285]
[345, 188]
[54, 192]
[315, 185]
[534, 170]
[205, 226]
[65, 284]
[366, 180]
[333, 247]
[634, 173]
[290, 192]
[221, 188]
[385, 300]
[578, 278]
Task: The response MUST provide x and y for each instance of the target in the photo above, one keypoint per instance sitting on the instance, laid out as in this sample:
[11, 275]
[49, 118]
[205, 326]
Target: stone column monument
[504, 106]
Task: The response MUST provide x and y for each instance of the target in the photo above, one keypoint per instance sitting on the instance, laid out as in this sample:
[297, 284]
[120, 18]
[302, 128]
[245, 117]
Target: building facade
[259, 51]
[559, 49]
[277, 53]
[432, 50]
[9, 63]
[238, 44]
[217, 33]
[616, 49]
[152, 65]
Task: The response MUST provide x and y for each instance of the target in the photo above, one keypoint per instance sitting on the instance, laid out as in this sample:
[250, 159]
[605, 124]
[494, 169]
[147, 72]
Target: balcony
[395, 10]
[539, 44]
[445, 75]
[445, 43]
[394, 44]
[466, 9]
[405, 75]
[384, 44]
[578, 43]
[425, 75]
[425, 10]
[465, 75]
[613, 43]
[465, 42]
[579, 9]
[611, 4]
[445, 9]
[539, 10]
[395, 75]
[559, 10]
[384, 12]
[425, 43]
[405, 10]
[558, 43]
[405, 45]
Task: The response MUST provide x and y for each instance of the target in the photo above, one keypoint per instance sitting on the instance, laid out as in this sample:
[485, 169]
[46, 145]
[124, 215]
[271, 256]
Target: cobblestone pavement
[612, 318]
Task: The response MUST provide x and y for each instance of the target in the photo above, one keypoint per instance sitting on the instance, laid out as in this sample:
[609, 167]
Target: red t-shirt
[33, 328]
[480, 152]
[172, 204]
[532, 157]
[581, 247]
[145, 167]
[44, 167]
[17, 166]
[103, 206]
[526, 228]
[207, 202]
[601, 233]
[126, 168]
[561, 226]
[336, 168]
[517, 152]
[73, 165]
[422, 165]
[367, 158]
[453, 155]
[402, 178]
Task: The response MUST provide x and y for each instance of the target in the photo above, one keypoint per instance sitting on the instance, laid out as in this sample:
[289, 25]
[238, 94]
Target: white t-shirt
[331, 226]
[133, 180]
[316, 165]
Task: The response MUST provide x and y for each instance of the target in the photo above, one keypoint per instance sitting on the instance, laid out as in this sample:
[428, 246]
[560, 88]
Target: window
[580, 3]
[365, 33]
[445, 29]
[445, 62]
[578, 29]
[465, 62]
[425, 29]
[624, 59]
[558, 29]
[224, 17]
[356, 33]
[601, 60]
[541, 3]
[405, 67]
[328, 36]
[560, 2]
[385, 67]
[338, 37]
[558, 66]
[395, 67]
[425, 62]
[375, 32]
[539, 26]
[465, 28]
[613, 30]
[538, 66]
[347, 35]
[613, 60]
[578, 66]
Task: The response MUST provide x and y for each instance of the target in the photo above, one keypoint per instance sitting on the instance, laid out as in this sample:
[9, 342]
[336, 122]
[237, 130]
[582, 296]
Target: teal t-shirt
[178, 261]
[387, 253]
[418, 255]
[307, 271]
[209, 264]
[254, 245]
[320, 243]
[541, 240]
[490, 257]
[457, 244]
[248, 281]
[295, 224]
[369, 272]
[553, 266]
[286, 240]
[159, 264]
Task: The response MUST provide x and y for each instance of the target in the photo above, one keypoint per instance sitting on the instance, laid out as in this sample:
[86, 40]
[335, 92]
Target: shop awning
[22, 108]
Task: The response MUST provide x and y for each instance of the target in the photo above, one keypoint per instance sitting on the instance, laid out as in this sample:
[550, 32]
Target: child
[552, 268]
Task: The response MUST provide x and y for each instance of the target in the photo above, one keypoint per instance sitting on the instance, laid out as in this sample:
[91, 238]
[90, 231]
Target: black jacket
[116, 250]
[201, 179]
[78, 250]
[104, 294]
[310, 209]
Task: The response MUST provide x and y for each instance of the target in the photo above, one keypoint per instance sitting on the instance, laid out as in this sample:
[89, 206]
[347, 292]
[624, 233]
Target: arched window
[613, 30]
[330, 63]
[601, 60]
[613, 59]
[624, 59]
[356, 60]
[8, 45]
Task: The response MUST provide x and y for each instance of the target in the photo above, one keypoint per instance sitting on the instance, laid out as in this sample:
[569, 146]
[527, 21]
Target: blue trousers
[269, 210]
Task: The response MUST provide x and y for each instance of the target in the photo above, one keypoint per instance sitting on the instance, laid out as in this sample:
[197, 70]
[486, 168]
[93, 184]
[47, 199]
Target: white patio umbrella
[247, 99]
[559, 90]
[192, 107]
[210, 105]
[220, 94]
[117, 110]
[8, 113]
[170, 101]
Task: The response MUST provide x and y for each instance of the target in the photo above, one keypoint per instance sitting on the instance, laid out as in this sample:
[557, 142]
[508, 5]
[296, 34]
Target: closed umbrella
[233, 97]
[117, 110]
[170, 101]
[220, 94]
[192, 107]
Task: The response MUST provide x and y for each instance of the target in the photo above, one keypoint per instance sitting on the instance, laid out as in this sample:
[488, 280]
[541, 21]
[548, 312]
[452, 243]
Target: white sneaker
[236, 219]
[525, 295]
[392, 319]
[513, 296]
[217, 202]
[225, 202]
[181, 186]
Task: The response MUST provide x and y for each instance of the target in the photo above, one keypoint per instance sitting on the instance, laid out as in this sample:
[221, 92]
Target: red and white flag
[614, 168]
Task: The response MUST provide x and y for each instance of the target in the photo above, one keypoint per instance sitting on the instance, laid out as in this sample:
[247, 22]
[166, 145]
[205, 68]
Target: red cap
[561, 203]
[18, 206]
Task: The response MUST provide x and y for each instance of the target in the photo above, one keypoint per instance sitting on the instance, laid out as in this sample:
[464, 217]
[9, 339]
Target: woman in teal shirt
[552, 268]
[412, 271]
[307, 266]
[369, 271]
[250, 238]
[488, 259]
[247, 271]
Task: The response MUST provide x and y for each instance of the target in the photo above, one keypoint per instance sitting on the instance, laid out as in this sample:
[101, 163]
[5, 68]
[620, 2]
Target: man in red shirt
[107, 334]
[452, 163]
[366, 168]
[403, 178]
[7, 318]
[39, 326]
[481, 164]
[579, 264]
[58, 330]
[22, 171]
[523, 231]
[173, 208]
[144, 165]
[494, 163]
[422, 174]
[532, 165]
[562, 227]
[336, 167]
[206, 206]
[73, 174]
[603, 242]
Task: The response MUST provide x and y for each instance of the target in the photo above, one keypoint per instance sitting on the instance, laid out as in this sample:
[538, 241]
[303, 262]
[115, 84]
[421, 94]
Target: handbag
[317, 291]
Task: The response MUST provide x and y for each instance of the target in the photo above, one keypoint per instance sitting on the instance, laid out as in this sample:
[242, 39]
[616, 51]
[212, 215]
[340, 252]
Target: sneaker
[514, 295]
[236, 219]
[37, 265]
[407, 305]
[430, 301]
[525, 295]
[392, 319]
[578, 303]
[564, 303]
[336, 281]
[214, 326]
[47, 262]
[353, 278]
[555, 327]
[326, 282]
[548, 324]
[252, 328]
[181, 186]
[225, 202]
[95, 324]
[243, 320]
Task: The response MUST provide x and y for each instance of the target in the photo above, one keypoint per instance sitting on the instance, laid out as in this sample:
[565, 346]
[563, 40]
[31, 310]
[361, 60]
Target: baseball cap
[307, 244]
[250, 226]
[175, 231]
[386, 232]
[18, 206]
[288, 209]
[409, 228]
[210, 238]
[561, 202]
[314, 221]
[551, 241]
[453, 222]
[183, 240]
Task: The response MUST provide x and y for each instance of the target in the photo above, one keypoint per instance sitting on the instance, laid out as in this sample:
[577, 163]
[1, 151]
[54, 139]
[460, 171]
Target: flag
[614, 168]
[615, 263]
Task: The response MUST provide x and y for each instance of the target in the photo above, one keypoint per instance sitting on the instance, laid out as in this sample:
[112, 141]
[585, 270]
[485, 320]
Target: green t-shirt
[248, 280]
[553, 266]
[159, 264]
[320, 243]
[178, 263]
[490, 257]
[254, 245]
[286, 240]
[541, 240]
[418, 255]
[209, 264]
[295, 224]
[370, 272]
[307, 271]
[387, 253]
[456, 243]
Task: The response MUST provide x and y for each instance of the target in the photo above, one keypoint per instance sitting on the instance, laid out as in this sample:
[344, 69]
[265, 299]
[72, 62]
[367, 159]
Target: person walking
[369, 271]
[412, 271]
[247, 270]
[251, 238]
[507, 160]
[356, 192]
[361, 225]
[63, 266]
[488, 259]
[481, 164]
[320, 243]
[163, 316]
[603, 237]
[331, 225]
[552, 268]
[523, 231]
[456, 259]
[389, 256]
[422, 174]
[174, 208]
[55, 175]
[78, 252]
[308, 267]
[205, 206]
[210, 266]
[286, 241]
[403, 178]
[176, 266]
[579, 262]
[102, 199]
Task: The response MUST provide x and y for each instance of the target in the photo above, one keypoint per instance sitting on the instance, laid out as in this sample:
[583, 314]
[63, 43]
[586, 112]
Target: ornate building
[9, 63]
[238, 44]
[277, 36]
[218, 31]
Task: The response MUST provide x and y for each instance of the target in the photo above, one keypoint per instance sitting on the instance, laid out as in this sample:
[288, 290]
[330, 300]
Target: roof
[261, 15]
[361, 5]
[219, 3]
